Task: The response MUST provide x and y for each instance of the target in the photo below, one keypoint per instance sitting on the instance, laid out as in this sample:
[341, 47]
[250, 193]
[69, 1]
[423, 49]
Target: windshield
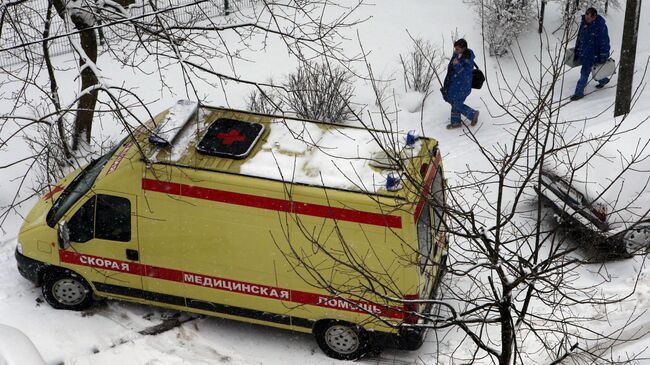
[78, 187]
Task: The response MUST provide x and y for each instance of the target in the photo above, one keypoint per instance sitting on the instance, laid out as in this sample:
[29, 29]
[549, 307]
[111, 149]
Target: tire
[342, 340]
[637, 241]
[67, 290]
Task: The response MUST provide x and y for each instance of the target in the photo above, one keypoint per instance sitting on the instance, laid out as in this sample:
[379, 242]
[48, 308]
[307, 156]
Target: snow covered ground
[109, 333]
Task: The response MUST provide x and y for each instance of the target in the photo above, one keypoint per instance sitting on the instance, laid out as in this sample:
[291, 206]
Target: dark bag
[477, 77]
[445, 95]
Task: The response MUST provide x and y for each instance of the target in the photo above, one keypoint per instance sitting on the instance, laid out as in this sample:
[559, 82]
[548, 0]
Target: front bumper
[30, 269]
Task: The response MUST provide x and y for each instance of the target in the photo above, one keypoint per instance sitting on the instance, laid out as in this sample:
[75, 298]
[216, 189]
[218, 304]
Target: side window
[425, 240]
[430, 220]
[437, 194]
[103, 216]
[82, 223]
[113, 218]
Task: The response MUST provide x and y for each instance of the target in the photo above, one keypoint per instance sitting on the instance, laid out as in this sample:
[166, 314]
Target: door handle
[132, 255]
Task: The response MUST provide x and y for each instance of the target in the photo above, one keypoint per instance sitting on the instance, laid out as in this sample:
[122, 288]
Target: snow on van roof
[177, 117]
[293, 150]
[324, 155]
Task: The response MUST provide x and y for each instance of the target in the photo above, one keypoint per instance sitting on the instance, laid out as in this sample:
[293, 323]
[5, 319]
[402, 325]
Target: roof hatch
[230, 138]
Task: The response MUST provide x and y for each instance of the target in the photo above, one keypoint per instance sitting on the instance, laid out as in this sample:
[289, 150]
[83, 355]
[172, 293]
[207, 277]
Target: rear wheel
[342, 340]
[67, 290]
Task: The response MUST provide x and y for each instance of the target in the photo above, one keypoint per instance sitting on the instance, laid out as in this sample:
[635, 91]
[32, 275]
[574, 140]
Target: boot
[602, 83]
[475, 119]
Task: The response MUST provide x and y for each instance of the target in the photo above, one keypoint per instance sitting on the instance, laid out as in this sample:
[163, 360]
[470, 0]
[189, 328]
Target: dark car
[612, 218]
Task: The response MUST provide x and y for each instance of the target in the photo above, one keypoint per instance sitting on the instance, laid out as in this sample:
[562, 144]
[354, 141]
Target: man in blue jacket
[458, 84]
[592, 47]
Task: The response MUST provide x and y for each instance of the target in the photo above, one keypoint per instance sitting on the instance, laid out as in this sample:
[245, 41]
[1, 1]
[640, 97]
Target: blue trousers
[585, 71]
[459, 108]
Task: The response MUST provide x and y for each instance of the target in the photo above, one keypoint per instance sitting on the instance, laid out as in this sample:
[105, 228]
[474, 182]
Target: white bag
[569, 58]
[603, 70]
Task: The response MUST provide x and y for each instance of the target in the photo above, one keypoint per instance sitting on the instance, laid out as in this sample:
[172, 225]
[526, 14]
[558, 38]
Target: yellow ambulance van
[279, 221]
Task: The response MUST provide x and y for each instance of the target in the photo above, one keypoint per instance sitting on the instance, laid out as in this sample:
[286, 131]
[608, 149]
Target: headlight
[19, 248]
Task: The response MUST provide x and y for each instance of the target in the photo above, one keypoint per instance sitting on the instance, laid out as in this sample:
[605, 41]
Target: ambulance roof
[278, 148]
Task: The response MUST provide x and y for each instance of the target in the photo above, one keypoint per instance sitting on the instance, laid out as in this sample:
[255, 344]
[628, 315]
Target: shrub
[419, 66]
[318, 91]
[267, 102]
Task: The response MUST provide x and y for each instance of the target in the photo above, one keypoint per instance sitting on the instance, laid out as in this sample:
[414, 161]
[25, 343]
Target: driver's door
[104, 243]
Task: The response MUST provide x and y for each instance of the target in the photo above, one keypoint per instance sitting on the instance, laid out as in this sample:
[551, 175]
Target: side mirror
[64, 235]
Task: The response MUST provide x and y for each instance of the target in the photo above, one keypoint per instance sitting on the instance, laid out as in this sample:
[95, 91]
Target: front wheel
[67, 290]
[342, 340]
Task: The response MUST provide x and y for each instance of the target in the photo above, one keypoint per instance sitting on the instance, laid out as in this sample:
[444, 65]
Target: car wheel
[67, 290]
[342, 340]
[637, 240]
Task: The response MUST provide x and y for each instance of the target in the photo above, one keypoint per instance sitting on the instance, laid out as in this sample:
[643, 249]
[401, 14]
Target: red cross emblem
[230, 137]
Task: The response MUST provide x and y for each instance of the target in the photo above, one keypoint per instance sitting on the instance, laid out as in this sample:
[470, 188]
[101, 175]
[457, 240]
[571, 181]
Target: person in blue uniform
[592, 47]
[458, 84]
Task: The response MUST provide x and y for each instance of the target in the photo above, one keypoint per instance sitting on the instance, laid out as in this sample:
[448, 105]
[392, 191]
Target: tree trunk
[86, 107]
[84, 118]
[541, 17]
[628, 56]
[54, 88]
[507, 332]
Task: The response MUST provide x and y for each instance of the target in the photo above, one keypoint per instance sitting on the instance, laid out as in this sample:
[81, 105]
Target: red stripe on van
[280, 205]
[164, 274]
[228, 197]
[235, 286]
[433, 170]
[350, 305]
[76, 258]
[161, 187]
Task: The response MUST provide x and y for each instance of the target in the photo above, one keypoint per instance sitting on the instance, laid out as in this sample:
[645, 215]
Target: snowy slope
[108, 334]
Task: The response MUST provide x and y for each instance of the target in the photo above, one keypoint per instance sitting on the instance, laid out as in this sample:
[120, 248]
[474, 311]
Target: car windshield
[78, 187]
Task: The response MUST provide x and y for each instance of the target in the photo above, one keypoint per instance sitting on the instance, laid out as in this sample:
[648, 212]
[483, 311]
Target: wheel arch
[366, 343]
[56, 273]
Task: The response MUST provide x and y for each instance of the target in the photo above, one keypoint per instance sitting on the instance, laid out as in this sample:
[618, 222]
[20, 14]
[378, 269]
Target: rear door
[104, 242]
